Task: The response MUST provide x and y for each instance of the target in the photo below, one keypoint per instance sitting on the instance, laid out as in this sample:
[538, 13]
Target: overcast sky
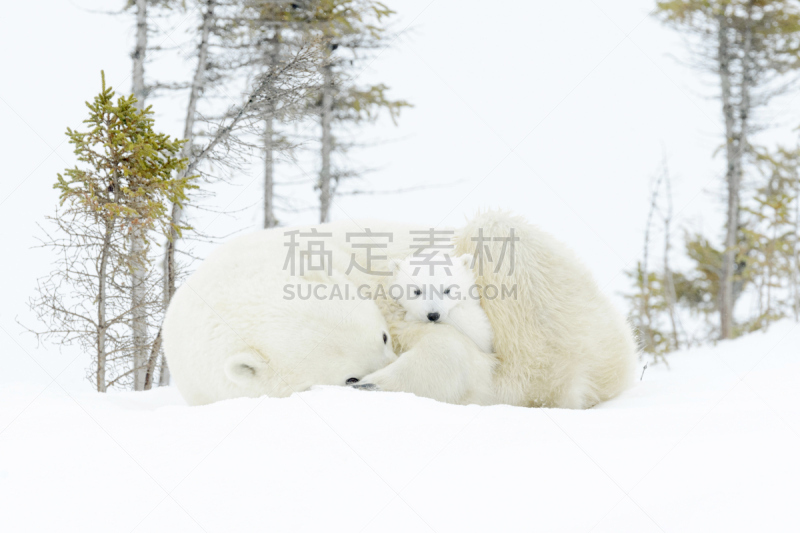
[558, 111]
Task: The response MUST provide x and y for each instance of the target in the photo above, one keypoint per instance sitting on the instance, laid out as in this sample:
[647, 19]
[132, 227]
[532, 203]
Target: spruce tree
[772, 237]
[123, 185]
[347, 28]
[749, 45]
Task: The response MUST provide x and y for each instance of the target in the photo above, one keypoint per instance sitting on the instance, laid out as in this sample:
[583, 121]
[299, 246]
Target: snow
[707, 445]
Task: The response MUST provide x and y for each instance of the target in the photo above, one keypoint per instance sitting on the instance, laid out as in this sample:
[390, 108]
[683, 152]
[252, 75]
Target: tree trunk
[325, 196]
[736, 146]
[269, 162]
[269, 179]
[139, 53]
[150, 369]
[198, 82]
[163, 375]
[101, 309]
[139, 312]
[732, 180]
[139, 272]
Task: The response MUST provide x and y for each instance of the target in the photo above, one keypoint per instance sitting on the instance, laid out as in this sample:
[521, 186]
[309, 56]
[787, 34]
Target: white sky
[555, 110]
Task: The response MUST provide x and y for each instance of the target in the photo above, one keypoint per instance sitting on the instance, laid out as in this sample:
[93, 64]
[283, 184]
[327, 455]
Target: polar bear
[437, 287]
[246, 323]
[436, 361]
[242, 325]
[559, 341]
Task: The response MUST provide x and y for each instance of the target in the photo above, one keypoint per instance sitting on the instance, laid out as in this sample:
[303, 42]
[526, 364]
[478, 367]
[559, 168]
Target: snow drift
[710, 445]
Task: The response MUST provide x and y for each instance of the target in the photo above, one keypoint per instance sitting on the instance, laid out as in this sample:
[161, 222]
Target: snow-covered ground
[709, 445]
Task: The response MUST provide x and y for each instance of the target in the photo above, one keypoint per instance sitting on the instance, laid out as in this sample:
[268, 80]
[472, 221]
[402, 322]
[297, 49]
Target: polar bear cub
[439, 288]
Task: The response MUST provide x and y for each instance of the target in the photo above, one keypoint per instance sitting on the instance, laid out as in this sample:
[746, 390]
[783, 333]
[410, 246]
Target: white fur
[442, 291]
[558, 343]
[229, 332]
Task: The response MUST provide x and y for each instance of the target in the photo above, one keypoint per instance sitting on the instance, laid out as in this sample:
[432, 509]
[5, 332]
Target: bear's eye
[447, 291]
[417, 292]
[351, 381]
[385, 338]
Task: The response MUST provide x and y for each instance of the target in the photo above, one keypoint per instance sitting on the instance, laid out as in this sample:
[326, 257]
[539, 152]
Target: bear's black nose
[433, 317]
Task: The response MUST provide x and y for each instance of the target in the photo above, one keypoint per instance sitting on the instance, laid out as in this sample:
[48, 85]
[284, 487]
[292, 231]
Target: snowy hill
[710, 445]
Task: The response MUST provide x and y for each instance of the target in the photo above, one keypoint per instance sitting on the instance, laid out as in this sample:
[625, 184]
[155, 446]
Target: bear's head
[321, 332]
[429, 287]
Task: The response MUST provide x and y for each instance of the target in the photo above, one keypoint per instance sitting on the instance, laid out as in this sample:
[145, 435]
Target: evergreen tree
[227, 46]
[347, 28]
[123, 186]
[749, 45]
[772, 236]
[269, 31]
[346, 31]
[649, 305]
[654, 301]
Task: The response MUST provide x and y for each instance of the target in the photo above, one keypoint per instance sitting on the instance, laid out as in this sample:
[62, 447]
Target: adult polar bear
[239, 326]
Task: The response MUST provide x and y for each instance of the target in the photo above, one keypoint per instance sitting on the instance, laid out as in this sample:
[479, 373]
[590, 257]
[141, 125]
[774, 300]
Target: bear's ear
[466, 260]
[244, 367]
